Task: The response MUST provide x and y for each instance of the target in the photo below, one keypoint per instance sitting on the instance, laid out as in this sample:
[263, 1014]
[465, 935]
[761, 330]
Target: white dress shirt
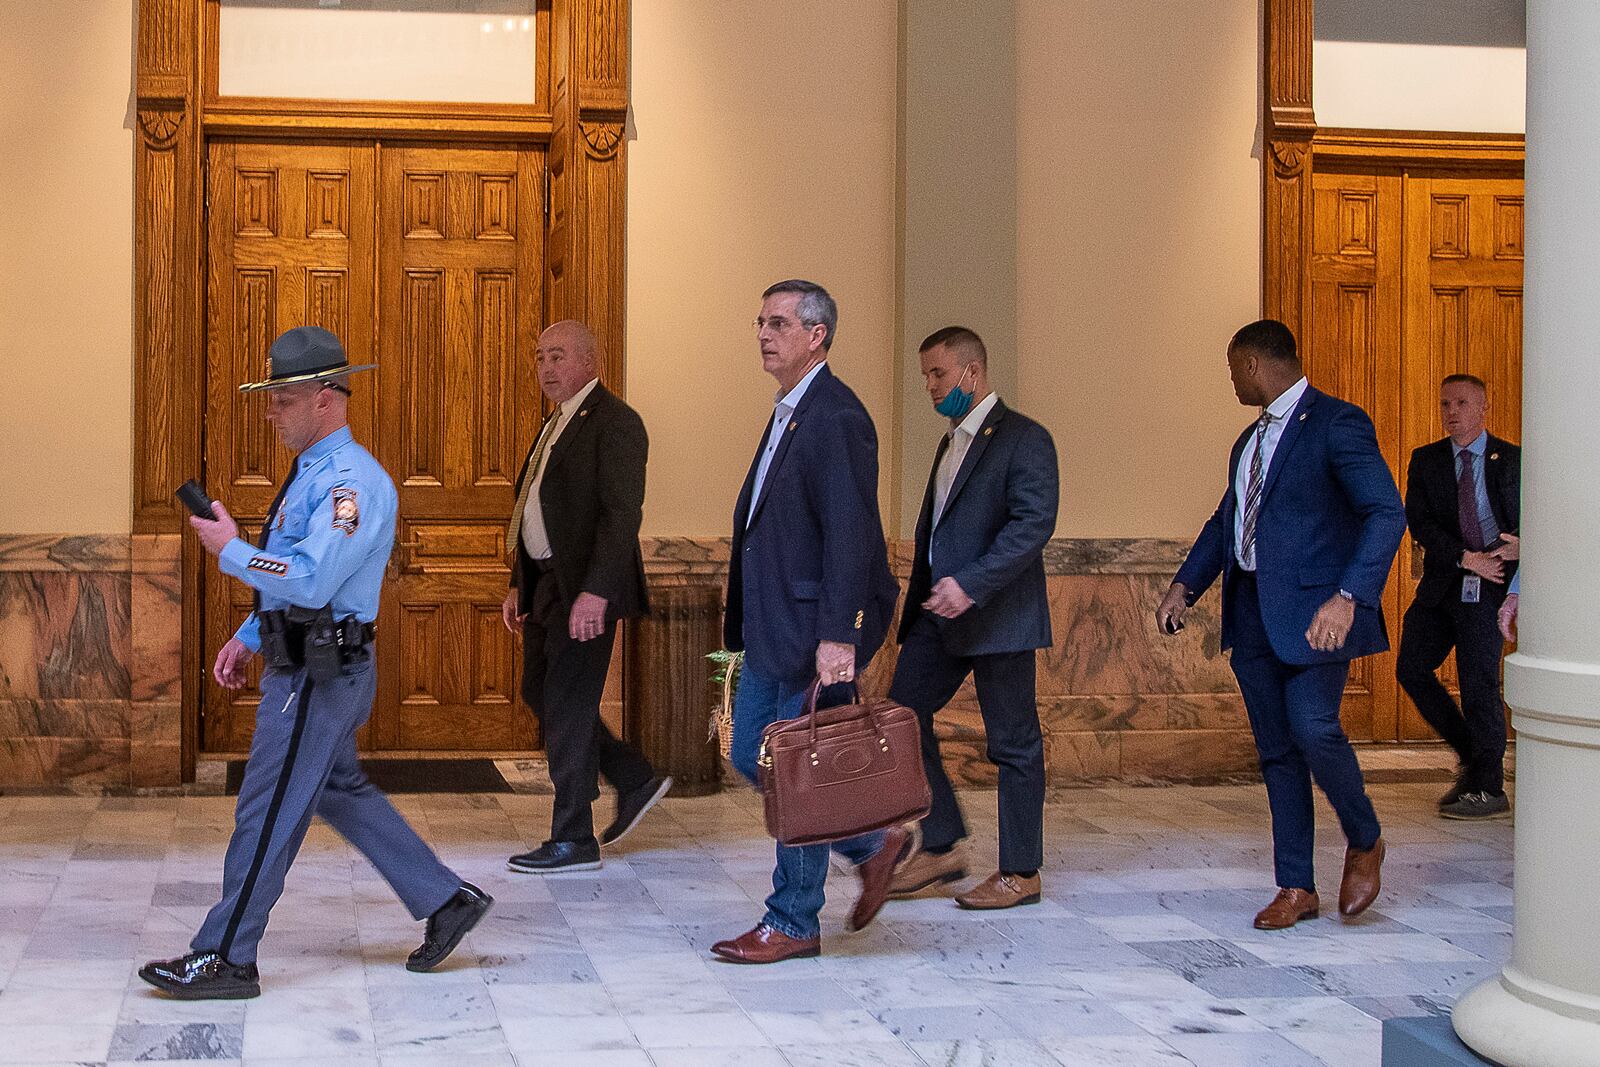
[955, 453]
[534, 537]
[783, 407]
[1279, 409]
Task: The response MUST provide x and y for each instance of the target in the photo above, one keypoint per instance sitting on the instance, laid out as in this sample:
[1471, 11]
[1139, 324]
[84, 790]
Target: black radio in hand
[193, 496]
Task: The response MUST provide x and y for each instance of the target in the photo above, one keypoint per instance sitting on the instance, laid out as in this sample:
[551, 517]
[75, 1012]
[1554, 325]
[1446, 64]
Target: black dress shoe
[203, 976]
[448, 925]
[1453, 794]
[558, 856]
[632, 807]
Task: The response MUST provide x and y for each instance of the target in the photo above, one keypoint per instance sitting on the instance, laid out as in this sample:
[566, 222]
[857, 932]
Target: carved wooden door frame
[579, 112]
[1293, 143]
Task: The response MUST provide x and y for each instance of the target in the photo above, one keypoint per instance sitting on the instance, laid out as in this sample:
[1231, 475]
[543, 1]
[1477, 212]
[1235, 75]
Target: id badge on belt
[1471, 589]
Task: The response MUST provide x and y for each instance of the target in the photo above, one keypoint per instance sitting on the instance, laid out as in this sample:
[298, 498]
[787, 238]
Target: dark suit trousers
[1475, 728]
[562, 681]
[1294, 714]
[925, 678]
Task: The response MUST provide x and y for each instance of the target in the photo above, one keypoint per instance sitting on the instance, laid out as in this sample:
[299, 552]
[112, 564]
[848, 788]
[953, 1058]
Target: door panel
[1414, 277]
[425, 261]
[291, 238]
[459, 300]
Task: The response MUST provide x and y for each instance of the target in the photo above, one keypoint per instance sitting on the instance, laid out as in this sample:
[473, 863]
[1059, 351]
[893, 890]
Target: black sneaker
[203, 976]
[632, 808]
[558, 856]
[1453, 794]
[448, 925]
[1478, 806]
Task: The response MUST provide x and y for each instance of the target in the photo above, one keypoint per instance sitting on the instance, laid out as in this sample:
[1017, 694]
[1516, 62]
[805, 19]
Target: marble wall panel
[156, 609]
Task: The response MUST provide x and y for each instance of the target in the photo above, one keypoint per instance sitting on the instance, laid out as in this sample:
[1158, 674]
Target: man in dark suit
[977, 605]
[576, 571]
[810, 595]
[1464, 506]
[1303, 539]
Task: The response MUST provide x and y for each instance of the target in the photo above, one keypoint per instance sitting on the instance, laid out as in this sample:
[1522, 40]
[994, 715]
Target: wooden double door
[426, 261]
[1415, 275]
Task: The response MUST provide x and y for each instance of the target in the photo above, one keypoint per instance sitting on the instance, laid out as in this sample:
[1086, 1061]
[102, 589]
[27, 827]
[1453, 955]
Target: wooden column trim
[1290, 129]
[588, 173]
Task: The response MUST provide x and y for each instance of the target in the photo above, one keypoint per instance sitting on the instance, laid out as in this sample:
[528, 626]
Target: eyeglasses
[778, 323]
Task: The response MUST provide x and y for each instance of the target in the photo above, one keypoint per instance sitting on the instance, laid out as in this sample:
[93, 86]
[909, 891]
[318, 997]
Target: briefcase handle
[815, 690]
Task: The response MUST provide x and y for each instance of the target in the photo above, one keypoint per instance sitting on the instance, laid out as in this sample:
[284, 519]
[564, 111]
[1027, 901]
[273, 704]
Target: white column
[1544, 1009]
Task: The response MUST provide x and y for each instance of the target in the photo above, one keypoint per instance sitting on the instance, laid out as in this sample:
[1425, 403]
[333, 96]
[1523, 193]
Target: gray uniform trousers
[303, 763]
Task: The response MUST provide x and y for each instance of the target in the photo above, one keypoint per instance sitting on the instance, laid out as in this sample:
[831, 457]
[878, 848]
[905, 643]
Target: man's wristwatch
[1347, 595]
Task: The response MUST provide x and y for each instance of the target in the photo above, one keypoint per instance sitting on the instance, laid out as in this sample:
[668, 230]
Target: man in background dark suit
[1464, 506]
[977, 605]
[576, 571]
[1303, 539]
[810, 595]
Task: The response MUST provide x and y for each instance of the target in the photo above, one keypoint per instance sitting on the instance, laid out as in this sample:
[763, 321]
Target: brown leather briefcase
[842, 771]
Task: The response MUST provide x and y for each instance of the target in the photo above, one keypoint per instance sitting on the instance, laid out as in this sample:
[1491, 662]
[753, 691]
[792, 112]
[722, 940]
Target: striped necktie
[514, 527]
[1252, 495]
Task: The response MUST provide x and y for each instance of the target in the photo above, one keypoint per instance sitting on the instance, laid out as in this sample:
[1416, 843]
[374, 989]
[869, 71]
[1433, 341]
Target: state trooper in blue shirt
[317, 575]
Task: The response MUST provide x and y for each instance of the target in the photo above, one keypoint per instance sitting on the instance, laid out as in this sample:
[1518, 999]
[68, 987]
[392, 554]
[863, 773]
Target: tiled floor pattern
[1141, 954]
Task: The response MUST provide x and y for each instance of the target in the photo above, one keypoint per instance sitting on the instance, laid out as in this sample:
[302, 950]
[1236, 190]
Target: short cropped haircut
[1465, 379]
[816, 306]
[960, 339]
[1267, 338]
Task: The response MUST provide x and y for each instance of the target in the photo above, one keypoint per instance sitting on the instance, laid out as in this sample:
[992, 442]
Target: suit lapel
[925, 516]
[1291, 433]
[574, 426]
[974, 454]
[795, 418]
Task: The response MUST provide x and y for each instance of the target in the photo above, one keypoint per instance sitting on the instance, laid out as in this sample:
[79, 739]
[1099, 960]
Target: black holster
[313, 639]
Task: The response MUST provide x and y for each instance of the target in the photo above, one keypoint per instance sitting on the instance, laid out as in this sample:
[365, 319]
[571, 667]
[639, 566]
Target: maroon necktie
[1467, 504]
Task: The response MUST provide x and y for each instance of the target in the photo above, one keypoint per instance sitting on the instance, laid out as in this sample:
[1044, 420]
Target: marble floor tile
[1142, 946]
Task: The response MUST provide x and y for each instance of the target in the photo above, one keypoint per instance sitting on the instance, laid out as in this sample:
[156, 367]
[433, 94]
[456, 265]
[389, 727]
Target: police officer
[317, 575]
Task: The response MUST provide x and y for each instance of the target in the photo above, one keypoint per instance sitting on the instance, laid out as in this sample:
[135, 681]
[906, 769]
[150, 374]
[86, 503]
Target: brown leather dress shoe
[1359, 886]
[921, 869]
[1001, 891]
[876, 874]
[1288, 908]
[766, 945]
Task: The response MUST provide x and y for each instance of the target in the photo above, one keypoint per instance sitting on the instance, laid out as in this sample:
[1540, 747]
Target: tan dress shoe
[766, 945]
[1001, 891]
[1288, 908]
[921, 869]
[876, 873]
[1359, 886]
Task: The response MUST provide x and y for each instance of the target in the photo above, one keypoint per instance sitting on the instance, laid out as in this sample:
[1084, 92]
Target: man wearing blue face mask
[977, 606]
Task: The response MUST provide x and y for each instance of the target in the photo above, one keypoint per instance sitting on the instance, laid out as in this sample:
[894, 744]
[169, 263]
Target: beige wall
[1138, 249]
[958, 230]
[66, 267]
[765, 150]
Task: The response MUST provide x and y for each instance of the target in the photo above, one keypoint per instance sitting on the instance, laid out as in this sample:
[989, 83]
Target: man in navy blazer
[977, 605]
[1303, 540]
[810, 595]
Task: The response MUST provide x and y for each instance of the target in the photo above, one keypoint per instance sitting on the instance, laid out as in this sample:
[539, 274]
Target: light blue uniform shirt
[1474, 453]
[330, 540]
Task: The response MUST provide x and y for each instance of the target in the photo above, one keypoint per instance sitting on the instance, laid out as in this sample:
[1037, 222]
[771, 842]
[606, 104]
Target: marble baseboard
[92, 643]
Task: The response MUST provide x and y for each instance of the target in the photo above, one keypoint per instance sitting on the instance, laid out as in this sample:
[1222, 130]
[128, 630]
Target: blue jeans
[798, 878]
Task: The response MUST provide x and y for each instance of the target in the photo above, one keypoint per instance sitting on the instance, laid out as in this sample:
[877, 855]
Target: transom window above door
[459, 51]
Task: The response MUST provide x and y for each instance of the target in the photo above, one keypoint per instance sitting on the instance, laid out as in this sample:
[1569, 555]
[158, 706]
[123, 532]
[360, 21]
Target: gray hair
[816, 306]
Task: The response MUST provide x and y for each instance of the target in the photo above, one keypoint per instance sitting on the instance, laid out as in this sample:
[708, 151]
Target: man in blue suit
[977, 605]
[810, 595]
[1303, 540]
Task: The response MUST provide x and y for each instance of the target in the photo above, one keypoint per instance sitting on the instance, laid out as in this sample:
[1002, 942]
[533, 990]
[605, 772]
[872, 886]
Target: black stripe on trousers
[270, 822]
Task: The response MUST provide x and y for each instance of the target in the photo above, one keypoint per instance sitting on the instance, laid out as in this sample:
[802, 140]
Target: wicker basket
[722, 714]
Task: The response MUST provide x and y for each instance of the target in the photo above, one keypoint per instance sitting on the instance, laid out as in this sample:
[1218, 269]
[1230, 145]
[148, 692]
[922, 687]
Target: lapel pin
[987, 430]
[1303, 415]
[1494, 455]
[794, 426]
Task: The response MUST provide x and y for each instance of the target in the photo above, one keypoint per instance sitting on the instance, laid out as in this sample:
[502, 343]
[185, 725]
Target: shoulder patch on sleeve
[271, 566]
[346, 512]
